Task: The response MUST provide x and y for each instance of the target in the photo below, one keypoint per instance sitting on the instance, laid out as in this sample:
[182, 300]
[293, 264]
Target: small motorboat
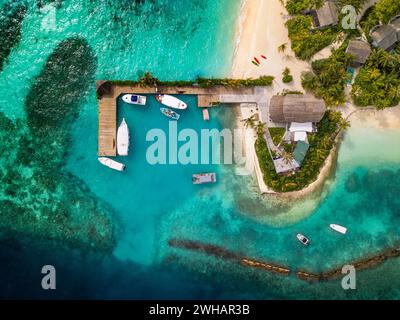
[203, 178]
[256, 60]
[255, 63]
[206, 115]
[123, 139]
[171, 101]
[303, 239]
[112, 164]
[264, 57]
[134, 99]
[338, 228]
[170, 113]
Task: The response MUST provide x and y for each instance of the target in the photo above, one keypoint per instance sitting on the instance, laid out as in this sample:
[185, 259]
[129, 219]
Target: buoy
[253, 62]
[258, 61]
[264, 57]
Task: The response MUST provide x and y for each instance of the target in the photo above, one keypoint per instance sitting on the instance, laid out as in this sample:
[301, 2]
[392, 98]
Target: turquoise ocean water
[152, 204]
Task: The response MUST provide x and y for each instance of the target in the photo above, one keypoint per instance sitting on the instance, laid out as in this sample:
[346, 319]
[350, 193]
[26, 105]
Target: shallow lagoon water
[156, 203]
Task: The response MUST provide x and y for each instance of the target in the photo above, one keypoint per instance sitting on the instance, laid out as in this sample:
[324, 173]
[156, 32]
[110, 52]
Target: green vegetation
[321, 144]
[383, 11]
[286, 76]
[369, 20]
[298, 6]
[285, 92]
[149, 80]
[277, 134]
[387, 9]
[328, 78]
[282, 48]
[305, 41]
[11, 17]
[261, 81]
[378, 82]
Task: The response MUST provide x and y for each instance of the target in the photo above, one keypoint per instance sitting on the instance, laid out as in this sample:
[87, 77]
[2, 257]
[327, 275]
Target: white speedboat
[112, 164]
[123, 139]
[338, 228]
[134, 99]
[303, 239]
[203, 178]
[171, 101]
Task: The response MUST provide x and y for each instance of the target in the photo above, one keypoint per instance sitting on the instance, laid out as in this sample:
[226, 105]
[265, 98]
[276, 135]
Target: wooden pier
[108, 94]
[107, 127]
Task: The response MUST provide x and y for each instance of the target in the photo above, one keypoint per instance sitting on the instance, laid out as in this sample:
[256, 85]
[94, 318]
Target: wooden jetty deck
[107, 127]
[206, 97]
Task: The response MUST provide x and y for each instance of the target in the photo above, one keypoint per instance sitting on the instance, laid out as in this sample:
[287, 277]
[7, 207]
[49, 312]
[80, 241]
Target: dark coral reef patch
[38, 196]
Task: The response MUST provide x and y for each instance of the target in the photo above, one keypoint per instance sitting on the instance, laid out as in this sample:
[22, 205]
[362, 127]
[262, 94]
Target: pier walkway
[109, 92]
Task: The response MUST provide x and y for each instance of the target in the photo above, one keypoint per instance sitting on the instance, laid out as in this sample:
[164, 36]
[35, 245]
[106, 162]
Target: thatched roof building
[384, 37]
[296, 108]
[326, 16]
[395, 23]
[360, 51]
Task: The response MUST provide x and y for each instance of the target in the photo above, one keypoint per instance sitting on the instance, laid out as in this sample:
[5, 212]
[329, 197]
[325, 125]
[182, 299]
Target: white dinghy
[338, 228]
[112, 164]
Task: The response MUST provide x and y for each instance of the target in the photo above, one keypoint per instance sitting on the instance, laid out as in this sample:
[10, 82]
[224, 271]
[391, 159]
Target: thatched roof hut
[360, 51]
[384, 37]
[326, 16]
[296, 108]
[395, 23]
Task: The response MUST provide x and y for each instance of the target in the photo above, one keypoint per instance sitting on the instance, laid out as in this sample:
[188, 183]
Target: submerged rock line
[225, 254]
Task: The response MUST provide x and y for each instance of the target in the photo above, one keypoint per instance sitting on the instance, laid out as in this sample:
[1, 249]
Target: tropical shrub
[305, 41]
[378, 82]
[277, 134]
[387, 9]
[286, 76]
[149, 80]
[321, 144]
[328, 78]
[298, 6]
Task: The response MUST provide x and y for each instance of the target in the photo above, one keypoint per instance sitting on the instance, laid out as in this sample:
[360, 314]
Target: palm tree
[260, 128]
[344, 124]
[287, 157]
[148, 80]
[374, 73]
[282, 47]
[250, 122]
[325, 142]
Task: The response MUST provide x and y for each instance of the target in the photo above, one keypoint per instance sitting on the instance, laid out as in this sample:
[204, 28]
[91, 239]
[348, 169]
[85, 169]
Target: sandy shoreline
[261, 30]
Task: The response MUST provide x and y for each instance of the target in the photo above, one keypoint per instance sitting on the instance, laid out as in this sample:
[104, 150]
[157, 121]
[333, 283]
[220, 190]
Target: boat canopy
[134, 98]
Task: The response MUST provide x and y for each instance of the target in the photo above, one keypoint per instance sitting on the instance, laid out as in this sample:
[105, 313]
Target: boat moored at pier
[134, 99]
[123, 139]
[171, 101]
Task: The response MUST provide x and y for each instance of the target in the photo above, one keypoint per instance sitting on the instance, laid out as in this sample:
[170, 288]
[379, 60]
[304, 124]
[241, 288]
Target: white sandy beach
[260, 31]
